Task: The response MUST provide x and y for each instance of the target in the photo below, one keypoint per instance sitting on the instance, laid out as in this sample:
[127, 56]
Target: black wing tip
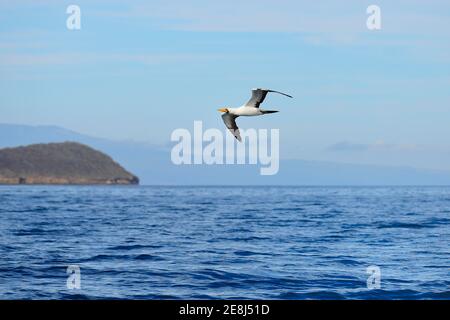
[284, 94]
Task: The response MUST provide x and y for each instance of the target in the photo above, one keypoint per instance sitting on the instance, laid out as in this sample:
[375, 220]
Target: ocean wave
[194, 243]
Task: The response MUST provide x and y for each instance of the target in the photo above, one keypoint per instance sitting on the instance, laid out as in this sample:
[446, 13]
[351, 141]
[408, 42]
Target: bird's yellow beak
[223, 110]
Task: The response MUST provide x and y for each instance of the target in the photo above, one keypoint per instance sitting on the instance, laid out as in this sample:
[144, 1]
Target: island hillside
[60, 163]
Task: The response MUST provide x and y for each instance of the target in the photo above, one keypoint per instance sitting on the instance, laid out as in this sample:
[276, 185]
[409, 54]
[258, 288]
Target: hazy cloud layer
[346, 146]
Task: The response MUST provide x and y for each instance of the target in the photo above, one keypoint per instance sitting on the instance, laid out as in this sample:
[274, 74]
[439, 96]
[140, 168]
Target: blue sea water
[224, 242]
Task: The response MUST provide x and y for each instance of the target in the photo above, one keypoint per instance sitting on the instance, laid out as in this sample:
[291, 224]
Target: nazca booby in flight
[251, 108]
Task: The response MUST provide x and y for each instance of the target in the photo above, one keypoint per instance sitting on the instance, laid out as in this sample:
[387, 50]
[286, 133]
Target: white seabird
[251, 108]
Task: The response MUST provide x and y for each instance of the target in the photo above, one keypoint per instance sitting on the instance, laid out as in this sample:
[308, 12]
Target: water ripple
[222, 242]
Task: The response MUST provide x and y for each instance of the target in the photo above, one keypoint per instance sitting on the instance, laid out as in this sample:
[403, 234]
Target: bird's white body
[245, 111]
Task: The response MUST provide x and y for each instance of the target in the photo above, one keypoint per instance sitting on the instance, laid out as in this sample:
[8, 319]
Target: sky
[138, 70]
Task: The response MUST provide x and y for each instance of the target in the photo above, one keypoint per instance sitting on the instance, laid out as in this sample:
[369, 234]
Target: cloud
[86, 58]
[347, 146]
[379, 145]
[330, 19]
[246, 16]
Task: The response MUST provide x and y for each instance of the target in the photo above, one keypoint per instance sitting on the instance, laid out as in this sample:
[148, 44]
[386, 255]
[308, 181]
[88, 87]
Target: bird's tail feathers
[268, 111]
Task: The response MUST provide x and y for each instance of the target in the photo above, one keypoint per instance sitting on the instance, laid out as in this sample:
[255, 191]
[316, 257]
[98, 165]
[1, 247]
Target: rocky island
[60, 163]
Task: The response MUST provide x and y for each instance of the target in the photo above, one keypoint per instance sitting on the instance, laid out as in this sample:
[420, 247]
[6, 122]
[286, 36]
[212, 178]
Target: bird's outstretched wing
[258, 96]
[230, 122]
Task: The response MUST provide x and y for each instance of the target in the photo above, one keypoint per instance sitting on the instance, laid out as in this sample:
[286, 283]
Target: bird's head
[224, 110]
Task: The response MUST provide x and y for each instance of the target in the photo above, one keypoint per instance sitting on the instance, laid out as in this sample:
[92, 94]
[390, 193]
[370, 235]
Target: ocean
[150, 242]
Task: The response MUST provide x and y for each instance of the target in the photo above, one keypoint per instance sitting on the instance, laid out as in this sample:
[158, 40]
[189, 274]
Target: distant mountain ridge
[12, 135]
[152, 164]
[60, 163]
